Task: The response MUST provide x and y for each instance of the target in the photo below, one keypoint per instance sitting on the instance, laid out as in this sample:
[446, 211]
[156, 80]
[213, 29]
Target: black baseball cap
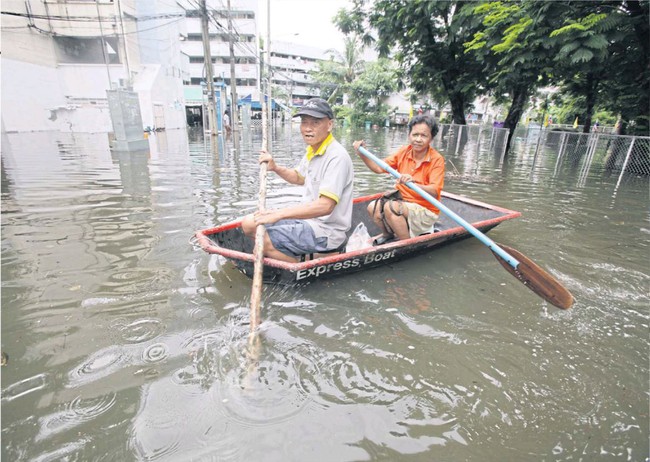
[316, 107]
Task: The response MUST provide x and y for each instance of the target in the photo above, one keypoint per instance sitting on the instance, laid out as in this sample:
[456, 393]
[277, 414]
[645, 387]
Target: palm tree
[343, 68]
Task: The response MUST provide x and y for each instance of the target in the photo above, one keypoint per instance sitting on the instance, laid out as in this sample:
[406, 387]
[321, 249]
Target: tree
[626, 89]
[604, 57]
[596, 50]
[516, 50]
[369, 91]
[339, 72]
[426, 38]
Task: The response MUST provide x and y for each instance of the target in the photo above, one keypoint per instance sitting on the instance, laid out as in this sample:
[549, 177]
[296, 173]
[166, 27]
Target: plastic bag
[360, 238]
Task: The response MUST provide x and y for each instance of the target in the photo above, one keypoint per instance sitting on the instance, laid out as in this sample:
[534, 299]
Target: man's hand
[266, 217]
[266, 157]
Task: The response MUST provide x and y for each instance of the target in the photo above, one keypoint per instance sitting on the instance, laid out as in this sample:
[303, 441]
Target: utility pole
[268, 64]
[234, 117]
[123, 42]
[212, 119]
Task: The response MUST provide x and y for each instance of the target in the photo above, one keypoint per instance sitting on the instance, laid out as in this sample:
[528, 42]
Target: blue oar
[520, 266]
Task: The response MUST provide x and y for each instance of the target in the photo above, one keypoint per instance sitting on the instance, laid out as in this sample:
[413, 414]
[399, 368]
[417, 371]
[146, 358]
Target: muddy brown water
[126, 342]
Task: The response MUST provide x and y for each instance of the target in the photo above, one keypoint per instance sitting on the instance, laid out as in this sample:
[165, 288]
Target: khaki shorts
[420, 219]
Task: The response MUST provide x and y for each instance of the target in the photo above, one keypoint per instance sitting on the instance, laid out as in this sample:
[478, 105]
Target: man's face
[314, 131]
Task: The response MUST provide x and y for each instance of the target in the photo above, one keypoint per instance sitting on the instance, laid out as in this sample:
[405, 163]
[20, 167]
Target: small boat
[229, 241]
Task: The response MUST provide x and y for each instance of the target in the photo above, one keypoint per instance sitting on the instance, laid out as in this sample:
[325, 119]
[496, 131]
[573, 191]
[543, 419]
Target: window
[93, 50]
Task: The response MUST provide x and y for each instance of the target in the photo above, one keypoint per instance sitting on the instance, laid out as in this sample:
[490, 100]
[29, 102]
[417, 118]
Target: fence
[613, 153]
[455, 139]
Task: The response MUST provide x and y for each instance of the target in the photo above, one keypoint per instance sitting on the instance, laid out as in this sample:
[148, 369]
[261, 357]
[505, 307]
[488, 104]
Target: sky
[310, 19]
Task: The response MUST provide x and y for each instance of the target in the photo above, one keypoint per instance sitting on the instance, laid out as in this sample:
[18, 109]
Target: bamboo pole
[258, 250]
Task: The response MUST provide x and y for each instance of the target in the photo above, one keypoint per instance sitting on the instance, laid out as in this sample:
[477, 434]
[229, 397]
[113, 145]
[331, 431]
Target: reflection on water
[128, 343]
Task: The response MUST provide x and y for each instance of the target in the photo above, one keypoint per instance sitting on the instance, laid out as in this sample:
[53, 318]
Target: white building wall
[155, 89]
[292, 63]
[28, 96]
[40, 94]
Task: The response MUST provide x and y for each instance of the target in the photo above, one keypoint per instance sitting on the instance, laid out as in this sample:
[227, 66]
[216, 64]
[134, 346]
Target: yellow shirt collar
[321, 149]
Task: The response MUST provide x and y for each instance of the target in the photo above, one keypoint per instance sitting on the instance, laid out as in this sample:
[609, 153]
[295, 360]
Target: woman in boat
[404, 213]
[320, 223]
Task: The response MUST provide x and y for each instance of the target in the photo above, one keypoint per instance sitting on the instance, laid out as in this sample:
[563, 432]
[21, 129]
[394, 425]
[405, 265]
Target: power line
[92, 18]
[116, 34]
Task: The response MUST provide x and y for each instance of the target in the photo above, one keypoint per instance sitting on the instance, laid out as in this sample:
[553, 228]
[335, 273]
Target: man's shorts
[420, 219]
[295, 238]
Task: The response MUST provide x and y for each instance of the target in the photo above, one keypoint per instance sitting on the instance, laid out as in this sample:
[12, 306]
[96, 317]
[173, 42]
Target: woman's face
[420, 137]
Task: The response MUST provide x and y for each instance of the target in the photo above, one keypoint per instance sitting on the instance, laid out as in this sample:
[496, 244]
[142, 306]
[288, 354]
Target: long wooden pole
[258, 250]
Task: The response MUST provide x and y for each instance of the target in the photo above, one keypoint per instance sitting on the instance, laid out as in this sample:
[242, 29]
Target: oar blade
[537, 280]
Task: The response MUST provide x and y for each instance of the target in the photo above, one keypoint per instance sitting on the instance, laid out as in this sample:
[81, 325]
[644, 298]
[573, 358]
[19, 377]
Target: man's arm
[290, 175]
[318, 208]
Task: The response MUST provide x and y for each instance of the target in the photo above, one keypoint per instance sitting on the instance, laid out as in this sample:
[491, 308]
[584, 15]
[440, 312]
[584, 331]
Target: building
[239, 23]
[60, 58]
[290, 62]
[290, 67]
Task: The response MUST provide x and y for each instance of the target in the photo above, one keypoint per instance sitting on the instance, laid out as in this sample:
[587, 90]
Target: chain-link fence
[567, 149]
[455, 139]
[587, 151]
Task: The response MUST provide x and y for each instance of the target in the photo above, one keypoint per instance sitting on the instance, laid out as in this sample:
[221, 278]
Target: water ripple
[24, 387]
[79, 411]
[140, 331]
[101, 364]
[155, 353]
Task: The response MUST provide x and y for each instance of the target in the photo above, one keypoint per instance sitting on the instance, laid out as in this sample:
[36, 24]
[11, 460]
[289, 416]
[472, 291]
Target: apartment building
[234, 21]
[290, 61]
[61, 57]
[291, 64]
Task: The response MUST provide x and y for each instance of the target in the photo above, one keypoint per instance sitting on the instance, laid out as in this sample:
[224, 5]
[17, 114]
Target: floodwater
[127, 342]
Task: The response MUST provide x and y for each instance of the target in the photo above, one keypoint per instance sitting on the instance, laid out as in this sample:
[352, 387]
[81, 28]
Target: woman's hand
[357, 144]
[404, 178]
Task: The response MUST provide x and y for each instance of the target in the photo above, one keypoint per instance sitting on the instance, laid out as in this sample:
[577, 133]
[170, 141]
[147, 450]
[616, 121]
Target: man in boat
[404, 213]
[320, 222]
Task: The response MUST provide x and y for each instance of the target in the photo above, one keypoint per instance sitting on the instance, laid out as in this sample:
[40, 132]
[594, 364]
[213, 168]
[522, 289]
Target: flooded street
[125, 341]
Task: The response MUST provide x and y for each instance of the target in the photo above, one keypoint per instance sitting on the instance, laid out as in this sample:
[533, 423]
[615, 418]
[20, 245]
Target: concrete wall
[40, 94]
[156, 89]
[67, 98]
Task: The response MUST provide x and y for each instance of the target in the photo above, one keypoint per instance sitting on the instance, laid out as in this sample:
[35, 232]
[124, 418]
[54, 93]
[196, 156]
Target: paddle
[520, 266]
[258, 249]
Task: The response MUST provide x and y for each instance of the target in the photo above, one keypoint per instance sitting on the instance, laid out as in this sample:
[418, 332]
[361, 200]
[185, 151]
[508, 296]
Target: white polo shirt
[330, 174]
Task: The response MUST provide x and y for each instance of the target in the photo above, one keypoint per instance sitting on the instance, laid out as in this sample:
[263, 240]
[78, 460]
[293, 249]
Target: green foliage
[581, 25]
[511, 36]
[425, 37]
[596, 52]
[370, 90]
[336, 75]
